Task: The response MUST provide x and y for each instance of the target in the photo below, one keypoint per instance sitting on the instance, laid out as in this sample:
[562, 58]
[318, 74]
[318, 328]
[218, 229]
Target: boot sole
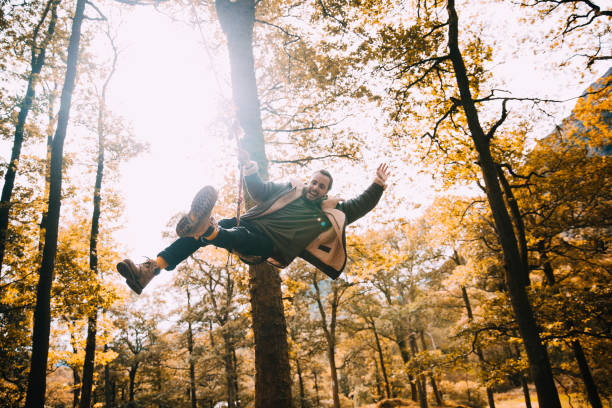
[125, 269]
[201, 207]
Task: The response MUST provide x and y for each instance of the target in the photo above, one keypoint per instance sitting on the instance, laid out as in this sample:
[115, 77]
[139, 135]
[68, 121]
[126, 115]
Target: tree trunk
[42, 313]
[515, 269]
[235, 376]
[526, 395]
[192, 383]
[587, 378]
[517, 221]
[76, 382]
[36, 63]
[583, 365]
[479, 352]
[379, 391]
[316, 384]
[420, 380]
[333, 372]
[88, 365]
[272, 380]
[230, 374]
[109, 385]
[432, 380]
[382, 360]
[401, 343]
[90, 349]
[132, 376]
[272, 369]
[301, 382]
[330, 336]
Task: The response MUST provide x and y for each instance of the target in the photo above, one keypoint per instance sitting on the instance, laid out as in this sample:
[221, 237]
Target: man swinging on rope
[290, 220]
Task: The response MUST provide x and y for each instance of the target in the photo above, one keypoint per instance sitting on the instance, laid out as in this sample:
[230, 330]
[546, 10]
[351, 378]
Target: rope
[240, 184]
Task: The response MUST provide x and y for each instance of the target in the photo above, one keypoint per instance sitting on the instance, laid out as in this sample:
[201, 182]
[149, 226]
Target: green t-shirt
[294, 226]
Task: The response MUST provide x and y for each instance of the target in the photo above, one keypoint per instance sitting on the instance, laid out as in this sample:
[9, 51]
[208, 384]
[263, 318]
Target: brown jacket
[327, 251]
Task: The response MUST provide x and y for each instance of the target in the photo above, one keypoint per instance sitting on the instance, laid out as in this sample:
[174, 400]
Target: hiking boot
[138, 276]
[211, 232]
[197, 221]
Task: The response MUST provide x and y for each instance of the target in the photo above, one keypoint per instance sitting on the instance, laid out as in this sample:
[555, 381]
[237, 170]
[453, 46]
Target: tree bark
[583, 365]
[401, 343]
[316, 384]
[515, 269]
[88, 365]
[479, 353]
[76, 382]
[192, 383]
[109, 385]
[42, 313]
[517, 221]
[301, 383]
[420, 380]
[272, 369]
[525, 387]
[132, 377]
[90, 349]
[382, 359]
[330, 336]
[36, 63]
[230, 374]
[432, 380]
[379, 391]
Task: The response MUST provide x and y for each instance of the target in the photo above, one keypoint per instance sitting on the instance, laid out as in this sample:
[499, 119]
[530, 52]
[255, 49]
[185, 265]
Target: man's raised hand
[382, 174]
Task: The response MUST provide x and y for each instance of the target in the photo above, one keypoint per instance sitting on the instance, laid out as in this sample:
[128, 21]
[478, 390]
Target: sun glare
[164, 89]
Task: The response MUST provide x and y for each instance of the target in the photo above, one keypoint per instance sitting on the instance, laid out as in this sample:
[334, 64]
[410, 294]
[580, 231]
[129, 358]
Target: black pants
[245, 239]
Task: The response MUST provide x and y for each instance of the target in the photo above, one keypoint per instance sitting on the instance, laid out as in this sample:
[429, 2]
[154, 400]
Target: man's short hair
[328, 175]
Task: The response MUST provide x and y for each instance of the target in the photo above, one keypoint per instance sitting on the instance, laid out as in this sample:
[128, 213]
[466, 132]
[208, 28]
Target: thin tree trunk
[88, 365]
[272, 369]
[235, 376]
[192, 383]
[333, 372]
[230, 375]
[420, 380]
[526, 394]
[76, 379]
[523, 379]
[301, 382]
[132, 377]
[42, 313]
[109, 389]
[515, 269]
[381, 357]
[401, 343]
[76, 384]
[432, 380]
[316, 384]
[585, 372]
[330, 336]
[479, 352]
[36, 63]
[90, 349]
[583, 365]
[379, 391]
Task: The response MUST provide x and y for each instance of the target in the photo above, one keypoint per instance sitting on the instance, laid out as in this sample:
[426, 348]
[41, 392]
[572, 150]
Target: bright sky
[164, 88]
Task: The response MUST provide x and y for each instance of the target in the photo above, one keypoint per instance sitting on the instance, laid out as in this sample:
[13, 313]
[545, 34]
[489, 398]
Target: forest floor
[510, 399]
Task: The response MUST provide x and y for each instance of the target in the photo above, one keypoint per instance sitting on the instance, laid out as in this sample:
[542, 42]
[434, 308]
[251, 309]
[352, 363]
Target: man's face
[317, 187]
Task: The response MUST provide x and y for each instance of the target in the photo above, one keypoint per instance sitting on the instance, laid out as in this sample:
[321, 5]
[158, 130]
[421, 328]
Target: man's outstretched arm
[366, 201]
